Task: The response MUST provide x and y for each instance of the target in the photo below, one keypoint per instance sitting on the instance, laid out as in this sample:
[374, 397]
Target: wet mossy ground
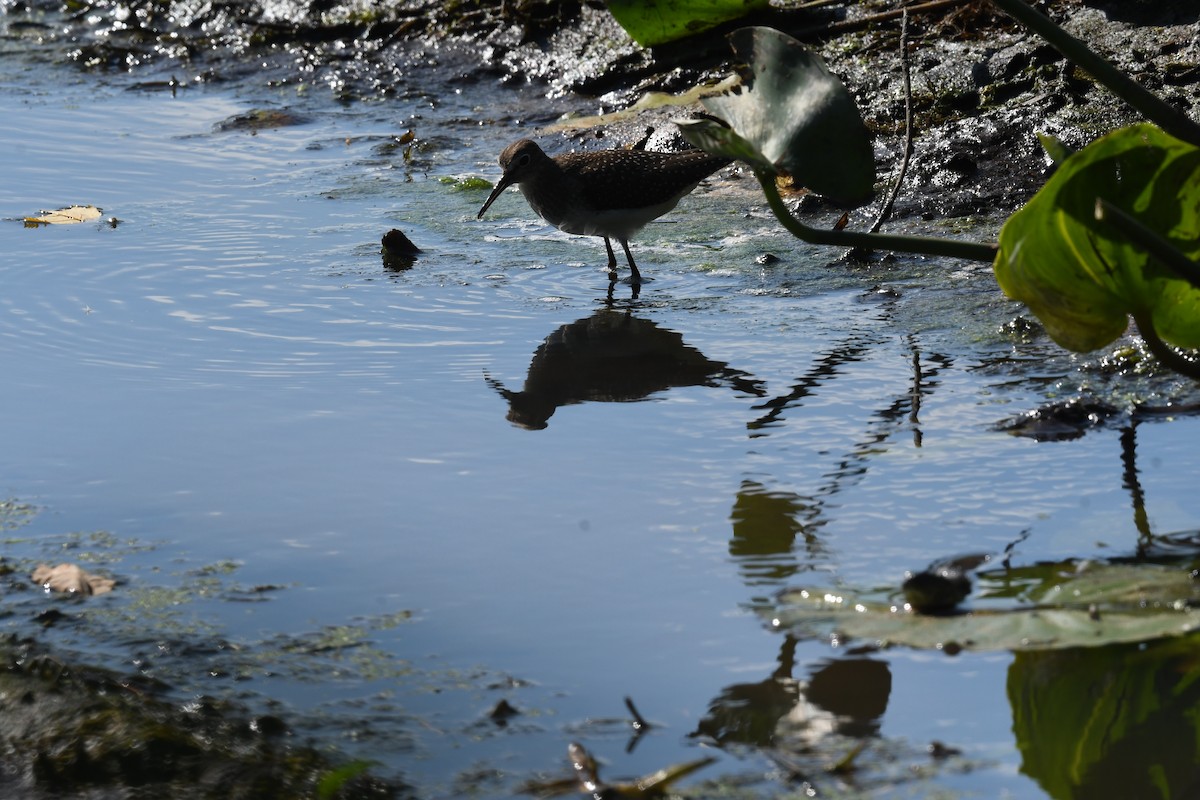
[73, 728]
[85, 713]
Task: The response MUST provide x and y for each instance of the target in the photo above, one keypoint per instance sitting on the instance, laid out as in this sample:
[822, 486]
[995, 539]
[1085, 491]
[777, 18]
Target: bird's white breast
[620, 223]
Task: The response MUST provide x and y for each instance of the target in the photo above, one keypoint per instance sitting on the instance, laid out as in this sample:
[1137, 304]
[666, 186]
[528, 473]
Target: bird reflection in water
[612, 356]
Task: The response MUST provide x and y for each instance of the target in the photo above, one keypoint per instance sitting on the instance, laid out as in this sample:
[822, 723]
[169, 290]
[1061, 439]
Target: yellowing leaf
[71, 579]
[64, 216]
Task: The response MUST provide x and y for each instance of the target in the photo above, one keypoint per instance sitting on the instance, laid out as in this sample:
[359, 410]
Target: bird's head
[519, 161]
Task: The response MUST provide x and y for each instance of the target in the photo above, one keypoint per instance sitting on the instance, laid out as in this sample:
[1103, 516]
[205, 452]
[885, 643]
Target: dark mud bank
[74, 728]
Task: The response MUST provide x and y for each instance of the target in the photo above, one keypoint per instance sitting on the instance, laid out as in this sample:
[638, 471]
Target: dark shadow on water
[766, 525]
[777, 532]
[800, 722]
[613, 357]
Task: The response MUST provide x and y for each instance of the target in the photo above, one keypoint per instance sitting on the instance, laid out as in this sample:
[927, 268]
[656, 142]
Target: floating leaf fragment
[71, 579]
[64, 216]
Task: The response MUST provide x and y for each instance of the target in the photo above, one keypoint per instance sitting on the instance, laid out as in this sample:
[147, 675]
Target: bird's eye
[523, 160]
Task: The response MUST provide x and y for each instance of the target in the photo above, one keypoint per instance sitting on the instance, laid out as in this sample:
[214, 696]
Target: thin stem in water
[1168, 355]
[923, 245]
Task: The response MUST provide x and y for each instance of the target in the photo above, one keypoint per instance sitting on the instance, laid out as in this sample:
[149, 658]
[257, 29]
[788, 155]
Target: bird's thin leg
[612, 260]
[634, 275]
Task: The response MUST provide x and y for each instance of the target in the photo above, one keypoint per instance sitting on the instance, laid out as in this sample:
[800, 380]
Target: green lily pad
[654, 22]
[791, 115]
[1079, 605]
[1082, 277]
[1108, 721]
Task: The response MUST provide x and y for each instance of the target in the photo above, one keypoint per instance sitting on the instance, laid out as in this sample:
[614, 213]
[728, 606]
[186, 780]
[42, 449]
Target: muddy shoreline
[982, 86]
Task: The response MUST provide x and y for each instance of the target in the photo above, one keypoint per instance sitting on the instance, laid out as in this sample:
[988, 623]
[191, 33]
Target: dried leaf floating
[71, 579]
[64, 216]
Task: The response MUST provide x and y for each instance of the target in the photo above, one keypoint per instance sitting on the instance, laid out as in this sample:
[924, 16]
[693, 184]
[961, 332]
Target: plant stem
[1167, 117]
[886, 210]
[1168, 355]
[1150, 241]
[924, 245]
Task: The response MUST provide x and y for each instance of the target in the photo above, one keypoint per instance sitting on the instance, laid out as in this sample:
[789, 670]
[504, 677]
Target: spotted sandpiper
[606, 193]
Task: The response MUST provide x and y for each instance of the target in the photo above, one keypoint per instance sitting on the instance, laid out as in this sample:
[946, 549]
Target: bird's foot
[631, 280]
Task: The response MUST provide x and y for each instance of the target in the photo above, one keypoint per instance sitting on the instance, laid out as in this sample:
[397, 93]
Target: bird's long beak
[502, 184]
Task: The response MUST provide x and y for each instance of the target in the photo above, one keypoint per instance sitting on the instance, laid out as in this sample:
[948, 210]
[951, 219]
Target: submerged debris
[71, 579]
[1059, 422]
[260, 119]
[64, 216]
[399, 252]
[939, 588]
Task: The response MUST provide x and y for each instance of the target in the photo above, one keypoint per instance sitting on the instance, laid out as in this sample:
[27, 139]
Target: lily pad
[791, 116]
[654, 22]
[1108, 721]
[1083, 277]
[1078, 605]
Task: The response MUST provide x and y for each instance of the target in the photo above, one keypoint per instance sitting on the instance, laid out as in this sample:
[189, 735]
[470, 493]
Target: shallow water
[231, 375]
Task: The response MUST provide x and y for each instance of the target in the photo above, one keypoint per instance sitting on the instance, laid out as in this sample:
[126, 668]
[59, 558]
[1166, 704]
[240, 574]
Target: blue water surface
[223, 368]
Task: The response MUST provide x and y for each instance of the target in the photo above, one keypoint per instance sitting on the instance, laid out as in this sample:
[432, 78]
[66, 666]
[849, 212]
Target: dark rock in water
[1060, 422]
[395, 242]
[936, 591]
[502, 712]
[943, 585]
[398, 251]
[260, 119]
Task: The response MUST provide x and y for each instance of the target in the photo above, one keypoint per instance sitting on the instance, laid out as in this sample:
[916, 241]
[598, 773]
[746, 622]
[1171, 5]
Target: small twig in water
[639, 722]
